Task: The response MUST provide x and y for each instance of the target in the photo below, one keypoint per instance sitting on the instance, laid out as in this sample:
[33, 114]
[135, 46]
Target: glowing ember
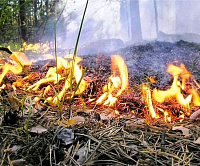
[117, 82]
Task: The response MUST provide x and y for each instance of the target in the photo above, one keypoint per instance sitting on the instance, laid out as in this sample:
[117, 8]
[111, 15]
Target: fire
[38, 47]
[117, 82]
[176, 88]
[16, 66]
[67, 70]
[66, 79]
[180, 77]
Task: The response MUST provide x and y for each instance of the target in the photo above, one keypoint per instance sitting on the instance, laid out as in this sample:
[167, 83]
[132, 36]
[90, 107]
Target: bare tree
[156, 17]
[124, 17]
[136, 32]
[22, 15]
[35, 12]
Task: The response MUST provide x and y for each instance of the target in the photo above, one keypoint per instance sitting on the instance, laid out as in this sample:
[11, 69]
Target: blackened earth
[149, 59]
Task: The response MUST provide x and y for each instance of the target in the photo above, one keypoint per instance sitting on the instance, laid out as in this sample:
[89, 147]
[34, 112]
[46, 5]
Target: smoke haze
[111, 21]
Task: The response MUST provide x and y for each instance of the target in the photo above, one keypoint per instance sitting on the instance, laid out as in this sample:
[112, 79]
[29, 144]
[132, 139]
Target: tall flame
[117, 82]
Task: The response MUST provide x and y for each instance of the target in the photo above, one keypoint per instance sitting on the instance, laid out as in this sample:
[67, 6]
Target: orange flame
[38, 47]
[195, 97]
[116, 84]
[65, 66]
[177, 86]
[16, 67]
[174, 92]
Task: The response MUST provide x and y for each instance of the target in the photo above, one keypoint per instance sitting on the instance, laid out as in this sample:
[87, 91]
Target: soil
[151, 59]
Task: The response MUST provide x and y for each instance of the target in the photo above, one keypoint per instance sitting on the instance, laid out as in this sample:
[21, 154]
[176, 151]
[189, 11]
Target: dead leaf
[7, 150]
[18, 162]
[38, 129]
[104, 116]
[108, 116]
[79, 119]
[89, 111]
[197, 141]
[140, 121]
[15, 147]
[66, 123]
[82, 153]
[195, 115]
[184, 130]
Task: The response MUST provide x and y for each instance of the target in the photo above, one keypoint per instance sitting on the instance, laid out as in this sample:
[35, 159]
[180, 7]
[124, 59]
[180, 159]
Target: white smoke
[102, 21]
[105, 19]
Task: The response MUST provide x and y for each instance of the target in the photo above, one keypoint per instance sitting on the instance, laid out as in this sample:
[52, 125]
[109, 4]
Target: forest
[24, 20]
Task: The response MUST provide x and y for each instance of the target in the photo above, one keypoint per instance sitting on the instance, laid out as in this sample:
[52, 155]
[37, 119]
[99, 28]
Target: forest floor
[96, 135]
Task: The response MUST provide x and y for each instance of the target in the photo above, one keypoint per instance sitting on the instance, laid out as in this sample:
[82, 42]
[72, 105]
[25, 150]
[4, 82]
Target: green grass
[7, 15]
[26, 126]
[76, 45]
[73, 89]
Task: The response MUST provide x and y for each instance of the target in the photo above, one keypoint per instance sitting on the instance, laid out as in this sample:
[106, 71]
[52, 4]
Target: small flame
[65, 67]
[117, 82]
[177, 86]
[17, 65]
[38, 47]
[180, 76]
[167, 116]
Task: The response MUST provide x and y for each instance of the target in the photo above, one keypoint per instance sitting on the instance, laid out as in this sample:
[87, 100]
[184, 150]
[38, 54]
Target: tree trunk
[47, 7]
[124, 18]
[22, 15]
[136, 33]
[35, 12]
[156, 17]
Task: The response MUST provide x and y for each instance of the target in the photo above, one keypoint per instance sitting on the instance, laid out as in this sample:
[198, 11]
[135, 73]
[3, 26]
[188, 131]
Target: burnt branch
[6, 50]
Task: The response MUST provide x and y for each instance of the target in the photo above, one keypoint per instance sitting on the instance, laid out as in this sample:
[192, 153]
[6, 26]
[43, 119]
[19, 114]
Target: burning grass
[130, 125]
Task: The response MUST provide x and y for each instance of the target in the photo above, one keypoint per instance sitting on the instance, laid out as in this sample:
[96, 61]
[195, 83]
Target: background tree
[22, 15]
[156, 17]
[136, 32]
[23, 20]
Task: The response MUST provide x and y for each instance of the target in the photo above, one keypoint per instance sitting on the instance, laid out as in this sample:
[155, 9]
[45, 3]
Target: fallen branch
[6, 50]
